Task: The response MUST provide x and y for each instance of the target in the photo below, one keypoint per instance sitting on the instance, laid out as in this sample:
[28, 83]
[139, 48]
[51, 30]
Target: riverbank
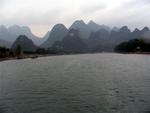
[35, 56]
[138, 53]
[30, 56]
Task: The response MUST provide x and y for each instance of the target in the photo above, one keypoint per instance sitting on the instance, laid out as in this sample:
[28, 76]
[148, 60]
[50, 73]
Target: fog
[41, 15]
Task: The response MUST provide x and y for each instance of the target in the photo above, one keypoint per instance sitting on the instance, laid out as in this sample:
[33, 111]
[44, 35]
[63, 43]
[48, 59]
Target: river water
[89, 83]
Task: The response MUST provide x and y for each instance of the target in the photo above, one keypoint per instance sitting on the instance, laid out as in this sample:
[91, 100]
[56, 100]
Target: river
[89, 83]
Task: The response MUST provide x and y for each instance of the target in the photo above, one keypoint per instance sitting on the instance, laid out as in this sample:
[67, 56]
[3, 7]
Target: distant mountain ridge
[26, 44]
[11, 33]
[92, 36]
[108, 40]
[71, 42]
[102, 40]
[58, 32]
[96, 27]
[86, 29]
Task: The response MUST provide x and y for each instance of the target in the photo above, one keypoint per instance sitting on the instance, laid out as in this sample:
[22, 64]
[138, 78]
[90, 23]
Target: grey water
[90, 83]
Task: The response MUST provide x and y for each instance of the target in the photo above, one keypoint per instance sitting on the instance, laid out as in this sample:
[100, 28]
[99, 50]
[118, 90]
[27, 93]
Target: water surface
[90, 83]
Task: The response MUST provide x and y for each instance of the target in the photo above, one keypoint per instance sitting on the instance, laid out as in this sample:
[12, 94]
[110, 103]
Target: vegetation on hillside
[135, 45]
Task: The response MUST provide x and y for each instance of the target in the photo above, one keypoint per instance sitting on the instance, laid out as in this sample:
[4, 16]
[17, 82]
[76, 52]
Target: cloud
[92, 8]
[2, 2]
[133, 13]
[136, 3]
[40, 13]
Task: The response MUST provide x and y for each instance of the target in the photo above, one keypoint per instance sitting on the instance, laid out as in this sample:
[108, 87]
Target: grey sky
[41, 15]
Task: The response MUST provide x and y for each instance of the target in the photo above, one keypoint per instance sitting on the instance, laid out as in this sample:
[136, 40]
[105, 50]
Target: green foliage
[135, 45]
[18, 51]
[4, 52]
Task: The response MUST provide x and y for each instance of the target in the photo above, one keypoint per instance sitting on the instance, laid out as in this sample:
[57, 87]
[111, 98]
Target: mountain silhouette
[11, 33]
[72, 42]
[85, 30]
[58, 32]
[81, 37]
[26, 44]
[96, 27]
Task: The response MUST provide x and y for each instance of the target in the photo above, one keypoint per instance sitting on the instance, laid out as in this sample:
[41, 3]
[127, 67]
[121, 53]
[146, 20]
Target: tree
[4, 52]
[135, 45]
[18, 51]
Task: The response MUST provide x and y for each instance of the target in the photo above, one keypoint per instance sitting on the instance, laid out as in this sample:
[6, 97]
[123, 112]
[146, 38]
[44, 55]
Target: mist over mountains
[25, 43]
[11, 33]
[79, 37]
[58, 32]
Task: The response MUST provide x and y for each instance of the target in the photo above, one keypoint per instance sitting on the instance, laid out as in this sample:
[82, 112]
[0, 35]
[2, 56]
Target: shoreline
[35, 56]
[31, 56]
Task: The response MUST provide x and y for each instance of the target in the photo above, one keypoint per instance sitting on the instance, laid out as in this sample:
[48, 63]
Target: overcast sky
[41, 15]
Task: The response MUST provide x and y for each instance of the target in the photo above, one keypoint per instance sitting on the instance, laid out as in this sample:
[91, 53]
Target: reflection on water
[98, 83]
